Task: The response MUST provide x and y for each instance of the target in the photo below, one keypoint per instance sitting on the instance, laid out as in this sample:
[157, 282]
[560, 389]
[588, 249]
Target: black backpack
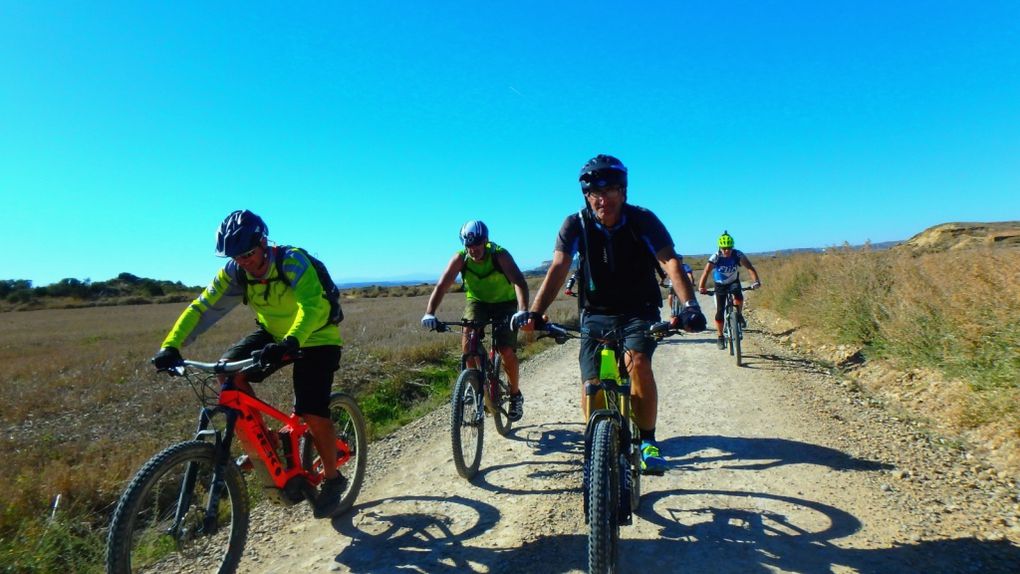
[330, 291]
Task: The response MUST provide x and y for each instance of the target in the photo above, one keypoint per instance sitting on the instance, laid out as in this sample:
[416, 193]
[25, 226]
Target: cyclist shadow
[740, 531]
[396, 535]
[706, 452]
[562, 441]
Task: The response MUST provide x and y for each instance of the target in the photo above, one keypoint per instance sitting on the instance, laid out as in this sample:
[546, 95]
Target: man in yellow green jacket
[292, 312]
[496, 290]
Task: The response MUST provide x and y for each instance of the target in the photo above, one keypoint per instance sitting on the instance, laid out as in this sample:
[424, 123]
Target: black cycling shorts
[635, 328]
[720, 298]
[313, 372]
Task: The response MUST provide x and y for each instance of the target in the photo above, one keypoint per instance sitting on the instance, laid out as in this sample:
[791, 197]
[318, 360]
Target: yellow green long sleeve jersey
[294, 308]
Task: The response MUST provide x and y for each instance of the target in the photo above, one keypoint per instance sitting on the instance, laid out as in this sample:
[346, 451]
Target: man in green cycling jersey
[724, 265]
[619, 245]
[292, 313]
[496, 290]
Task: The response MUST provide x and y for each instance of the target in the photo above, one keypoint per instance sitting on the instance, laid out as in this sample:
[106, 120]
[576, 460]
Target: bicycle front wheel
[179, 515]
[467, 422]
[735, 337]
[500, 394]
[603, 498]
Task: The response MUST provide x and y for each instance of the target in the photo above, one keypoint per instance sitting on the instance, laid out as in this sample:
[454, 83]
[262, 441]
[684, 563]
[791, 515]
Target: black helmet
[603, 171]
[241, 231]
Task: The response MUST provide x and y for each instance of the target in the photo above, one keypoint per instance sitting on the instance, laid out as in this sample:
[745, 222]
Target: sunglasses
[610, 193]
[246, 254]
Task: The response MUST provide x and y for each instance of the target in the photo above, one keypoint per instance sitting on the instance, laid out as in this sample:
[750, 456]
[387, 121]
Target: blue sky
[369, 132]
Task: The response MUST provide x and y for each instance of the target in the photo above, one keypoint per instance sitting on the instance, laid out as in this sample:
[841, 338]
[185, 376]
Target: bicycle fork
[217, 484]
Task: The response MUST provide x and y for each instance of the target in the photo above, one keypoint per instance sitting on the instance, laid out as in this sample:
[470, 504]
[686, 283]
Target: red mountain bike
[479, 390]
[187, 508]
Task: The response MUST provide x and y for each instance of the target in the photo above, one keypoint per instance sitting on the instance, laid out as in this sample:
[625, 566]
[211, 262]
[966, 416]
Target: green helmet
[725, 240]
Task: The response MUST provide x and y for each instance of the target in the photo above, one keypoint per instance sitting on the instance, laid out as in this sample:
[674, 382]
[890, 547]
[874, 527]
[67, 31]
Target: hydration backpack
[330, 291]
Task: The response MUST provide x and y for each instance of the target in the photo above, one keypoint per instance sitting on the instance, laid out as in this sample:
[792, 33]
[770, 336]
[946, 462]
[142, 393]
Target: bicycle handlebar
[750, 287]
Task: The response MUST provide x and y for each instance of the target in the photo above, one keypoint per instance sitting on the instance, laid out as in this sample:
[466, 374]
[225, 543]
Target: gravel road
[779, 466]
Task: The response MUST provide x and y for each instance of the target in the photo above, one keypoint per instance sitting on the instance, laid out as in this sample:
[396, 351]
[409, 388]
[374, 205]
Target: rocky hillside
[954, 236]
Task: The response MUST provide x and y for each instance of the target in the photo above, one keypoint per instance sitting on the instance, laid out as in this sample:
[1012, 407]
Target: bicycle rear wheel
[177, 515]
[500, 394]
[467, 422]
[603, 498]
[351, 437]
[735, 337]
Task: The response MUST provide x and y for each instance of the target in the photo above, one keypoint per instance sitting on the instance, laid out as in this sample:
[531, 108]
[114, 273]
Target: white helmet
[473, 233]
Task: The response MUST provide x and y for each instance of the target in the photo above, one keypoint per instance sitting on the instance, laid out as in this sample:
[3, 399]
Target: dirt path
[775, 467]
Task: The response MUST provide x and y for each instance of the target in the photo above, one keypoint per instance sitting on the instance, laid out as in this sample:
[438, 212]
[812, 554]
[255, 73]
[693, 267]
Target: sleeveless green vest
[484, 281]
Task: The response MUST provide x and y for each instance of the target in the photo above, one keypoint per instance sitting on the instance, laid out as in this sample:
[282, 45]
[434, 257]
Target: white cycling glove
[429, 321]
[755, 285]
[519, 319]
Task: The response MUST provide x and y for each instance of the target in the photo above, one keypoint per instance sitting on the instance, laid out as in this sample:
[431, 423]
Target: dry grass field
[955, 313]
[84, 409]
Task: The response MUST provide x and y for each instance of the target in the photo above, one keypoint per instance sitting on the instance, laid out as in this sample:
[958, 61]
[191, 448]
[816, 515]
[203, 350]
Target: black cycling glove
[167, 358]
[273, 353]
[692, 319]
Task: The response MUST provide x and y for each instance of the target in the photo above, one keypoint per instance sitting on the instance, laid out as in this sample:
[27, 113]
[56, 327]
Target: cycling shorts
[499, 314]
[634, 327]
[720, 298]
[313, 372]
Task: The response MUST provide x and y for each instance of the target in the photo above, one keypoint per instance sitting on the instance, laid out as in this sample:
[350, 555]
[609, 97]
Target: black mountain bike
[733, 329]
[612, 447]
[480, 390]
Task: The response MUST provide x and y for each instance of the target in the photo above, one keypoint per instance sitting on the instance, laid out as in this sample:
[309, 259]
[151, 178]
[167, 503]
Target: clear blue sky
[368, 132]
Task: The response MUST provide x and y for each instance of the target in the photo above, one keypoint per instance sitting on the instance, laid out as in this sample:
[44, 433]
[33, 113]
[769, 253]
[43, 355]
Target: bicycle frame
[283, 478]
[614, 387]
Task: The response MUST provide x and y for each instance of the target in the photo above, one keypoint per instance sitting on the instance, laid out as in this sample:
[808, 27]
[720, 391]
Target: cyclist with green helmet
[496, 291]
[724, 265]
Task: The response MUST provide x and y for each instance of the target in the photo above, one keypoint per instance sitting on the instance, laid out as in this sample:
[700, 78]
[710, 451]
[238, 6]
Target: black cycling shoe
[516, 410]
[328, 500]
[722, 342]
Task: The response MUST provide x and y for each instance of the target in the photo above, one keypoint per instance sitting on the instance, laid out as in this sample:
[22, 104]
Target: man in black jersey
[619, 247]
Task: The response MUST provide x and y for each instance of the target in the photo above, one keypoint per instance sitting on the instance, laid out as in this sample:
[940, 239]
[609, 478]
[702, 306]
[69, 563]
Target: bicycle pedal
[244, 463]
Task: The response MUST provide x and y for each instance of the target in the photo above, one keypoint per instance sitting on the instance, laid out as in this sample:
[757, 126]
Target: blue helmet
[603, 171]
[241, 231]
[474, 232]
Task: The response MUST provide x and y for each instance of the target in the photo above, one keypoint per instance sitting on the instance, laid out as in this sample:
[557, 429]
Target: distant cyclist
[724, 265]
[669, 284]
[620, 246]
[292, 312]
[496, 290]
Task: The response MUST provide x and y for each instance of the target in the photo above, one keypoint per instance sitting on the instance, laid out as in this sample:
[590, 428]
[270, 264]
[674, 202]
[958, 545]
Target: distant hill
[964, 235]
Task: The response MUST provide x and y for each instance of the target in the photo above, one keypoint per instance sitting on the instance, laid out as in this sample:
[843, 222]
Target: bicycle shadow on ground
[708, 452]
[781, 363]
[740, 531]
[413, 533]
[563, 441]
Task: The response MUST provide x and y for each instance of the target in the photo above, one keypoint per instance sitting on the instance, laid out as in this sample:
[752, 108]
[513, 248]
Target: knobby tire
[735, 336]
[501, 400]
[603, 498]
[466, 431]
[140, 537]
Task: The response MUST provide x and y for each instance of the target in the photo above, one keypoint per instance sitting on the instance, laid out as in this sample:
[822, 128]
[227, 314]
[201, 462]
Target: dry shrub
[956, 311]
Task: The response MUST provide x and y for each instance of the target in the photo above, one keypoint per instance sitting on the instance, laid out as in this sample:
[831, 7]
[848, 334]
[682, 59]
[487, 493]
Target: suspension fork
[221, 458]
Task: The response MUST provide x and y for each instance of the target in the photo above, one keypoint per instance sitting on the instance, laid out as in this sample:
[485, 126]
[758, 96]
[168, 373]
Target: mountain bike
[733, 328]
[612, 446]
[479, 390]
[187, 508]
